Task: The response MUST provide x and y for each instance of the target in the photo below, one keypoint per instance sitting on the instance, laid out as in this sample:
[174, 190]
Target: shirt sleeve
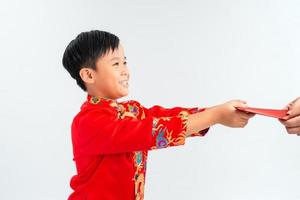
[159, 111]
[102, 132]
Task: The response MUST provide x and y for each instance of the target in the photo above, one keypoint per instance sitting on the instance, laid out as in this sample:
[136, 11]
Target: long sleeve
[159, 111]
[102, 132]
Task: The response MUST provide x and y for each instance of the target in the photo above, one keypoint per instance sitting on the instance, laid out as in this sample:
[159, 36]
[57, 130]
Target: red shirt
[110, 144]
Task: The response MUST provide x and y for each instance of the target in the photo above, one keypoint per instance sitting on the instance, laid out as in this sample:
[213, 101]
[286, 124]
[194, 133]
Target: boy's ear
[87, 75]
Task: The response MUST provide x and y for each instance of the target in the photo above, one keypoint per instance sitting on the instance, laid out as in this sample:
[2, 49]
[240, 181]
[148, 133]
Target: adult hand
[292, 121]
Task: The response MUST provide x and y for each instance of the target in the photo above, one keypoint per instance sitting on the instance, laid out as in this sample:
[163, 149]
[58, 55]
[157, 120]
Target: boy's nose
[125, 72]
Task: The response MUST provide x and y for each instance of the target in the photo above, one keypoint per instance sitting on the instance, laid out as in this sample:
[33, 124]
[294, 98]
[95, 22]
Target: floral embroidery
[140, 158]
[183, 115]
[94, 100]
[133, 109]
[143, 115]
[163, 136]
[154, 126]
[139, 187]
[161, 142]
[121, 111]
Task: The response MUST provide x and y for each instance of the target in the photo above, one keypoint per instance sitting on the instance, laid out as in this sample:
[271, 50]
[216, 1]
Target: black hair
[85, 50]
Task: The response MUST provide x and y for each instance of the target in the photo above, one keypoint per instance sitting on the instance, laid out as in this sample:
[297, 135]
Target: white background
[180, 53]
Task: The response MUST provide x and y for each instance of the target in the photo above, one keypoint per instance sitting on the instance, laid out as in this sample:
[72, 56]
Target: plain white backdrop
[180, 53]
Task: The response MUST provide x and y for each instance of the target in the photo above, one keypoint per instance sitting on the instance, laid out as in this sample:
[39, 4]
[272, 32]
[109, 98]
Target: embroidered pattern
[162, 132]
[94, 100]
[140, 160]
[163, 136]
[133, 109]
[161, 141]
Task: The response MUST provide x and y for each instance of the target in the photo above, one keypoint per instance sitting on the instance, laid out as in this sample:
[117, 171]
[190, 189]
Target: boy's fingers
[245, 123]
[243, 102]
[239, 103]
[250, 115]
[246, 115]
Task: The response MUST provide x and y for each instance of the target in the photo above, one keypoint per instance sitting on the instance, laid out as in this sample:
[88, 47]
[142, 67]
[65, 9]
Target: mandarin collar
[107, 102]
[101, 100]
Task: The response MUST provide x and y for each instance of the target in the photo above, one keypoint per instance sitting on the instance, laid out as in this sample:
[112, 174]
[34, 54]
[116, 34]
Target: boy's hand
[225, 114]
[229, 116]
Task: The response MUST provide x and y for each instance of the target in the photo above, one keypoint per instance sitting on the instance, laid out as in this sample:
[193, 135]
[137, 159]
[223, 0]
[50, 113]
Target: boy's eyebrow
[117, 58]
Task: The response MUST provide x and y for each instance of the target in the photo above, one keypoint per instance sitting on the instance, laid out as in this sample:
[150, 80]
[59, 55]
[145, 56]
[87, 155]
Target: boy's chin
[124, 94]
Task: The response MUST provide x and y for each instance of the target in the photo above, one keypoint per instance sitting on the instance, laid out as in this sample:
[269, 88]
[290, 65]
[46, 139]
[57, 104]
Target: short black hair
[85, 50]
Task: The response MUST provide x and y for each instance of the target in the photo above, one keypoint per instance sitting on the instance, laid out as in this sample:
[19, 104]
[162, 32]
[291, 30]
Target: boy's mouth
[124, 83]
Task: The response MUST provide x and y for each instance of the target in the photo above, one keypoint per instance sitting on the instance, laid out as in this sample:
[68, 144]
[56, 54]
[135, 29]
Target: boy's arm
[159, 111]
[100, 132]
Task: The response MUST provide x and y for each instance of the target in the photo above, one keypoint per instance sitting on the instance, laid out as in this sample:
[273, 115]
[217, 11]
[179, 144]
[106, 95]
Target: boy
[111, 139]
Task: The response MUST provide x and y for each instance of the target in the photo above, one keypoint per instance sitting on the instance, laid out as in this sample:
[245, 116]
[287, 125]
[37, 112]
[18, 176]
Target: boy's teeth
[124, 83]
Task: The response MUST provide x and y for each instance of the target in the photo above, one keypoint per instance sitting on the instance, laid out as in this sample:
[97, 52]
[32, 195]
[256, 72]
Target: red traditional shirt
[110, 144]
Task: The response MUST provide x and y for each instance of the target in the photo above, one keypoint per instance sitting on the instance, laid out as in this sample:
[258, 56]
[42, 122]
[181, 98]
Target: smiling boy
[111, 139]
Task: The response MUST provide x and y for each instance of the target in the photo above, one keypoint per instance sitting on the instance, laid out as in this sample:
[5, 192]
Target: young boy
[111, 139]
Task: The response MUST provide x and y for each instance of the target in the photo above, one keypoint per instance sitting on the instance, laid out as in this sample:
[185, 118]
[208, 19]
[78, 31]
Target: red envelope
[266, 112]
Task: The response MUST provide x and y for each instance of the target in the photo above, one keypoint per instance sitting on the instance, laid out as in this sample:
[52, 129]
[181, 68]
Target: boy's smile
[110, 79]
[124, 83]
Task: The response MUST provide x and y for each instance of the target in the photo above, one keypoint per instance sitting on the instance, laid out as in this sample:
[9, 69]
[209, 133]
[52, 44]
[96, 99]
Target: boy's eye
[117, 63]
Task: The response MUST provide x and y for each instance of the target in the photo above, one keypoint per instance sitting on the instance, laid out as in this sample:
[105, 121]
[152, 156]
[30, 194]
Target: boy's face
[110, 80]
